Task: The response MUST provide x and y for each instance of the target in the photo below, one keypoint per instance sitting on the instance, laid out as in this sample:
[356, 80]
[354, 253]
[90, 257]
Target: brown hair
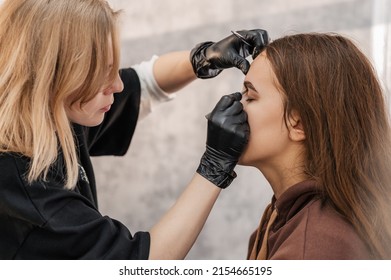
[52, 52]
[334, 88]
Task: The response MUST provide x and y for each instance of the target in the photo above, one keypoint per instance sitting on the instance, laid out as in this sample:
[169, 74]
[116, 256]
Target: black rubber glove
[227, 136]
[209, 58]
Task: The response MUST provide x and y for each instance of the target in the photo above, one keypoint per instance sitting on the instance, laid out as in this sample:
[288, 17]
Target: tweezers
[241, 38]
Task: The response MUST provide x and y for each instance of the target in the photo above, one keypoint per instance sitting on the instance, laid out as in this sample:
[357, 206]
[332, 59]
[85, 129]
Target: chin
[244, 158]
[94, 124]
[242, 161]
[91, 123]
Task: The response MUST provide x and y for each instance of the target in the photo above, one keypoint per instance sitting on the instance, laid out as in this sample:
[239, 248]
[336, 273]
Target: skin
[92, 112]
[273, 148]
[181, 71]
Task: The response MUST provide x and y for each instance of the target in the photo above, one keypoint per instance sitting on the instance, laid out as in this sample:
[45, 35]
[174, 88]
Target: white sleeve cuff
[151, 94]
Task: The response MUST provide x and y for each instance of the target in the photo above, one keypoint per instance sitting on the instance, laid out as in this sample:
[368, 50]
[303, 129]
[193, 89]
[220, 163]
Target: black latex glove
[209, 58]
[227, 136]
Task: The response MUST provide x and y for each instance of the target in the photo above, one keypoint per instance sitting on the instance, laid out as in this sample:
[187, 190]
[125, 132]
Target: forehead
[260, 70]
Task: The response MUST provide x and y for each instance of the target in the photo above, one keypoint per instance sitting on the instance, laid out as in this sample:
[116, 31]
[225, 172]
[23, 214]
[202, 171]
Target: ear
[295, 127]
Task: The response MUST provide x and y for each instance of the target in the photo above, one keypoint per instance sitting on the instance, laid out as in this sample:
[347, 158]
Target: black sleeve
[114, 135]
[43, 220]
[78, 231]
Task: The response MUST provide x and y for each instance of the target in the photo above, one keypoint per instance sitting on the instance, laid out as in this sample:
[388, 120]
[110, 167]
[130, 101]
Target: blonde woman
[58, 76]
[320, 134]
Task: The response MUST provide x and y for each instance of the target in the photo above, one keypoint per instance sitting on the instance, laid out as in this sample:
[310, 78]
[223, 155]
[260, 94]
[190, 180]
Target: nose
[243, 93]
[243, 102]
[116, 86]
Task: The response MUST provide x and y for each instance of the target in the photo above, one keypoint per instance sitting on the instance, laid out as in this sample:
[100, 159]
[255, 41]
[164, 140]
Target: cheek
[73, 111]
[268, 134]
[90, 107]
[87, 115]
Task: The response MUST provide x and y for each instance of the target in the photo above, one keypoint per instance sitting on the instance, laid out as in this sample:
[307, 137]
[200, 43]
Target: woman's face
[263, 103]
[92, 112]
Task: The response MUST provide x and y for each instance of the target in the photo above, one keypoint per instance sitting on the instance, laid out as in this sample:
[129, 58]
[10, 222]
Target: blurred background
[165, 151]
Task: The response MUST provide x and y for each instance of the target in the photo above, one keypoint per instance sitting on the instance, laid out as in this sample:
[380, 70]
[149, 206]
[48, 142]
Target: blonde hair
[52, 52]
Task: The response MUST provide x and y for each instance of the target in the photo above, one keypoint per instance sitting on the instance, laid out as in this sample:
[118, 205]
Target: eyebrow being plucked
[249, 85]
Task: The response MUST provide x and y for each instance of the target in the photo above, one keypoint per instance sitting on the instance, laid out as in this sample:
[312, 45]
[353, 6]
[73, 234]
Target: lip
[106, 108]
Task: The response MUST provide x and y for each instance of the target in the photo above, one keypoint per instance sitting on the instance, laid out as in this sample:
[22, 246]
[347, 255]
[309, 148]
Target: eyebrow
[249, 85]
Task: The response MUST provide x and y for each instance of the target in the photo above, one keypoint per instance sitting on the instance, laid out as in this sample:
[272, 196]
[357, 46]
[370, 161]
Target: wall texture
[139, 187]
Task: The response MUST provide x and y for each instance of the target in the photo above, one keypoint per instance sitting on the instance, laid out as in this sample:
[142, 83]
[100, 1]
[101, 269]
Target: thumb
[242, 64]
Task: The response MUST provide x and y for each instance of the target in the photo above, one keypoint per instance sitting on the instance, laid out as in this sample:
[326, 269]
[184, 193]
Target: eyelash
[245, 91]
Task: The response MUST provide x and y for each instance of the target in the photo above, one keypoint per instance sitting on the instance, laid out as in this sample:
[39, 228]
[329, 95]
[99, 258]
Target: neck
[282, 175]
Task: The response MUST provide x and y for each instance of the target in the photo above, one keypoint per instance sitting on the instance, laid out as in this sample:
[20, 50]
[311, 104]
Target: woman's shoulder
[330, 235]
[323, 217]
[14, 197]
[31, 200]
[317, 231]
[13, 167]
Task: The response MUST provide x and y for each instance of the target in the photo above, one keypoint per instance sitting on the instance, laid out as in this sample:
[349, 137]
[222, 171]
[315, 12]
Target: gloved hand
[209, 58]
[227, 136]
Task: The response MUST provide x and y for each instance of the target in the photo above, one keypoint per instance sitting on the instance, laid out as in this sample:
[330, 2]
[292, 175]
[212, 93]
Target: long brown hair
[52, 52]
[334, 88]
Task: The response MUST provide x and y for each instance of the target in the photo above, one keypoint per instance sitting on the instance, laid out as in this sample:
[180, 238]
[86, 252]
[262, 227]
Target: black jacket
[45, 221]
